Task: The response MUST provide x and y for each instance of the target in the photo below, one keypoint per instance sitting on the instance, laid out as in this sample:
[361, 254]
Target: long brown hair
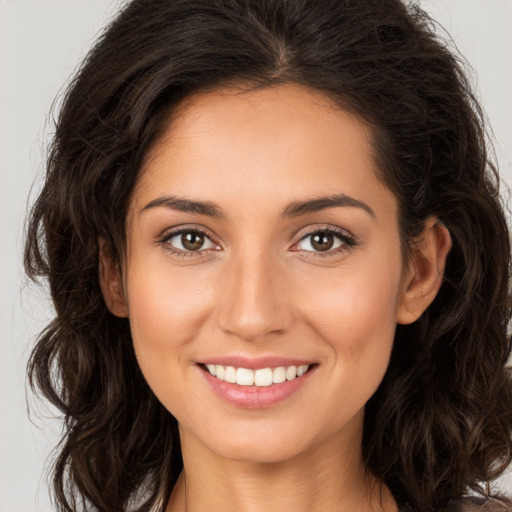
[441, 420]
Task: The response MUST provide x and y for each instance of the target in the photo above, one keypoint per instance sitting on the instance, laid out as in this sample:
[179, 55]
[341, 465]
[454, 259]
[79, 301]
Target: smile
[268, 382]
[261, 377]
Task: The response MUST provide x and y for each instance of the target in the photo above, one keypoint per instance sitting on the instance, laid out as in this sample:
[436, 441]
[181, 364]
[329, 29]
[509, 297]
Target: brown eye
[325, 241]
[189, 241]
[192, 241]
[322, 241]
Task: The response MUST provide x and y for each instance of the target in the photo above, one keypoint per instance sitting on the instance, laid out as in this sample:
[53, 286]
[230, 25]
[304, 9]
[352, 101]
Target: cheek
[160, 301]
[352, 304]
[166, 310]
[355, 315]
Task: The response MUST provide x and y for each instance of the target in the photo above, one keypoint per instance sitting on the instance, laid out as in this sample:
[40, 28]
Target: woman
[279, 265]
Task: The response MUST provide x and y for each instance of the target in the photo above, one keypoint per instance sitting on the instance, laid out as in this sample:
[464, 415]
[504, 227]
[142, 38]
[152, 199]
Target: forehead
[277, 142]
[259, 110]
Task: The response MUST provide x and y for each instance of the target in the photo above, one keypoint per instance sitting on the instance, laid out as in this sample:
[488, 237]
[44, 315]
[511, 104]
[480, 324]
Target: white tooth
[212, 369]
[263, 377]
[244, 377]
[230, 375]
[220, 372]
[279, 375]
[301, 370]
[291, 372]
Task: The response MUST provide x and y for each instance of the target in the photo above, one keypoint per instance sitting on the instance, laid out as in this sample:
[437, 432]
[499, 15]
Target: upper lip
[254, 363]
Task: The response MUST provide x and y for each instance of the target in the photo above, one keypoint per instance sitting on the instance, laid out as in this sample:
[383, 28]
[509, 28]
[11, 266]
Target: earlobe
[424, 276]
[111, 282]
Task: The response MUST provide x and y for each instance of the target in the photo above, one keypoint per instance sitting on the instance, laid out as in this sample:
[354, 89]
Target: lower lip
[257, 397]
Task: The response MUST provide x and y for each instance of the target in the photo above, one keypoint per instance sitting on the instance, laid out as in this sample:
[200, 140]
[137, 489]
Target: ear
[111, 282]
[424, 275]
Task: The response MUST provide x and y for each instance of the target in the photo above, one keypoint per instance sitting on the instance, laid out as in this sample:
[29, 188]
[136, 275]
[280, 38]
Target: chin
[278, 441]
[264, 452]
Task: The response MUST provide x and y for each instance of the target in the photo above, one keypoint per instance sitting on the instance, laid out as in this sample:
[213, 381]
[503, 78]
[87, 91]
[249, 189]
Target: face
[264, 249]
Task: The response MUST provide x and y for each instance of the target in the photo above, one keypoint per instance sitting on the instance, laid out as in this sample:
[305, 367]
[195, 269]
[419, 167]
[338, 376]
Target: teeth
[279, 375]
[244, 377]
[230, 375]
[301, 370]
[261, 377]
[220, 371]
[291, 372]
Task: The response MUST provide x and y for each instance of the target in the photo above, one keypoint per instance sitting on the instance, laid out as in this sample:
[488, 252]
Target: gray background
[41, 43]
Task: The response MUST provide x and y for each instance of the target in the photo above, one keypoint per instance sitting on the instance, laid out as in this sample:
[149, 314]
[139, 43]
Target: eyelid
[169, 233]
[348, 240]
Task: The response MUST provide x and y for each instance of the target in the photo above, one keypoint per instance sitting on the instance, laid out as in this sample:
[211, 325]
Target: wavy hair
[440, 422]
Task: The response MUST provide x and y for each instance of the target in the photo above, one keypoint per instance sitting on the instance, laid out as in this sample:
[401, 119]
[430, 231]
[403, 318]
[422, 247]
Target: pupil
[322, 241]
[192, 241]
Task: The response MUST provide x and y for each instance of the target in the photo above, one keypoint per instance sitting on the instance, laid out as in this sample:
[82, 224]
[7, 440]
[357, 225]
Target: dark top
[472, 504]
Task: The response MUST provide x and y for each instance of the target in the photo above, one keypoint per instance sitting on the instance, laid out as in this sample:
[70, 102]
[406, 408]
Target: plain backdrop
[41, 43]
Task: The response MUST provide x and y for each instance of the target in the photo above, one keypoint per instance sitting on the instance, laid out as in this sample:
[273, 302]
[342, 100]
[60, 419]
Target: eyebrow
[298, 208]
[295, 209]
[186, 205]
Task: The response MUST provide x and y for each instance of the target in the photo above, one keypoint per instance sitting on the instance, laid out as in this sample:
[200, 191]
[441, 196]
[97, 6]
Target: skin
[259, 288]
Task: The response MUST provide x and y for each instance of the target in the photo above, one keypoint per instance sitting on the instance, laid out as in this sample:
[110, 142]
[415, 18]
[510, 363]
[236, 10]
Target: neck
[326, 478]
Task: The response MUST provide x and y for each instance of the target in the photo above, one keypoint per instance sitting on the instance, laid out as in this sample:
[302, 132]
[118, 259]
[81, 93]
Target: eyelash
[346, 239]
[168, 235]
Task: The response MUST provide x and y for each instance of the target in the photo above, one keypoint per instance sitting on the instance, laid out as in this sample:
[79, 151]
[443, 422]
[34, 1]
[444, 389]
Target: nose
[253, 300]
